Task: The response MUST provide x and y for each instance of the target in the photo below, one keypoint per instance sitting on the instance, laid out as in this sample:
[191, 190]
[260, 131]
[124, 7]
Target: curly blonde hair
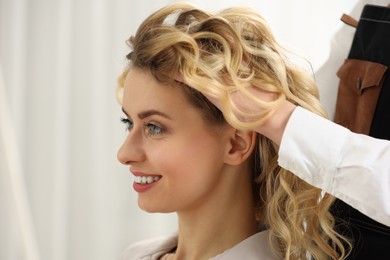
[216, 54]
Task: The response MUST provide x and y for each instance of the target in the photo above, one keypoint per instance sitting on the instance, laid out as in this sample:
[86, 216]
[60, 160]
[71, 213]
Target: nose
[131, 150]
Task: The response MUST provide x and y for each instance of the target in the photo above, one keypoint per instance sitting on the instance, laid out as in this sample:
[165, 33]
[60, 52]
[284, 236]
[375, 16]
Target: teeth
[146, 179]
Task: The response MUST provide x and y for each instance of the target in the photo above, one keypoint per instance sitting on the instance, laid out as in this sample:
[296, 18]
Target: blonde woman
[214, 111]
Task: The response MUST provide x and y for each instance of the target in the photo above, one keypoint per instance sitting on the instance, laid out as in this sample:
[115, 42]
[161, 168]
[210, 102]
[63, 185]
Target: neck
[220, 223]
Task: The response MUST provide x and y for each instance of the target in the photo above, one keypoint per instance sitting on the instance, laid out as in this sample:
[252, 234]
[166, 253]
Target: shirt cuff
[311, 147]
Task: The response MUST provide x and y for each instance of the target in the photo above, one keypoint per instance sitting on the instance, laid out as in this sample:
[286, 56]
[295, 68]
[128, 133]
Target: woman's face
[175, 155]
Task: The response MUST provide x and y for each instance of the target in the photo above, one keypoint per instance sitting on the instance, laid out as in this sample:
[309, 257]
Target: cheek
[191, 169]
[189, 163]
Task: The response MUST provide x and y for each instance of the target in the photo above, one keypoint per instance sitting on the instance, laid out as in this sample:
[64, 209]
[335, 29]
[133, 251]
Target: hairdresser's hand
[245, 104]
[274, 127]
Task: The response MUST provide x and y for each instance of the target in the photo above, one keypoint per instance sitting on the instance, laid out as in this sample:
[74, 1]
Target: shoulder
[150, 249]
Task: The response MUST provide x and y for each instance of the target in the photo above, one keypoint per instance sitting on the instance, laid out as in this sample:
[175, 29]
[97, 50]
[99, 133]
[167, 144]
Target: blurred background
[63, 195]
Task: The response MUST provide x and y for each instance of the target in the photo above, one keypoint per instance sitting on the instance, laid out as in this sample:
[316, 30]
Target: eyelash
[128, 123]
[150, 128]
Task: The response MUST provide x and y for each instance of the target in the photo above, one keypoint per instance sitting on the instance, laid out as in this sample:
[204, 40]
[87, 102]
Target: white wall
[60, 60]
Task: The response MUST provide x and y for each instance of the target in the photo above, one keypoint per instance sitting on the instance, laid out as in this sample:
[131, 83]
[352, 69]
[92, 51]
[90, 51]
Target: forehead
[139, 80]
[143, 91]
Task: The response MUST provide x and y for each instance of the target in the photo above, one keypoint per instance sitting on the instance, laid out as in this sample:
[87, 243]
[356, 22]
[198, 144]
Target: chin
[153, 208]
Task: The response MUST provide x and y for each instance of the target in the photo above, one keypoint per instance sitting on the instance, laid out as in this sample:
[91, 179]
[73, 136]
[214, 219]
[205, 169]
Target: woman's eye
[128, 123]
[152, 129]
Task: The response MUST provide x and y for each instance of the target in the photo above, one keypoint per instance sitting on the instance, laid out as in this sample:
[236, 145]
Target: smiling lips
[146, 179]
[144, 183]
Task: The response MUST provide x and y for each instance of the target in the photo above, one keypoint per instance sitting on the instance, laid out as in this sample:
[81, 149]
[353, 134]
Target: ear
[241, 147]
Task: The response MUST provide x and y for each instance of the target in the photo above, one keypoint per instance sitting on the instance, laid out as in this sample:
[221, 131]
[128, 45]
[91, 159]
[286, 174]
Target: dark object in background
[363, 106]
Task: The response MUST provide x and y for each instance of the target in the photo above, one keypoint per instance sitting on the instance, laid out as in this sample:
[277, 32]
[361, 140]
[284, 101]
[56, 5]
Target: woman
[213, 168]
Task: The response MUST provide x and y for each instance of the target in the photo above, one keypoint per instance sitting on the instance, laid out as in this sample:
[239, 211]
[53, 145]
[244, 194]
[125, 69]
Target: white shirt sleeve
[352, 167]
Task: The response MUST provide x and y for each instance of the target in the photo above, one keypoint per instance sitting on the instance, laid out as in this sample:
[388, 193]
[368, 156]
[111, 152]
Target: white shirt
[253, 248]
[353, 167]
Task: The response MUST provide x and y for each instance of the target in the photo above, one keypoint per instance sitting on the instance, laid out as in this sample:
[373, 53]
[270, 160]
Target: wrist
[274, 127]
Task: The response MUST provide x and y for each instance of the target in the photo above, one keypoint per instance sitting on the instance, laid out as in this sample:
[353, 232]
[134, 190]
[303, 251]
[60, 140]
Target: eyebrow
[148, 113]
